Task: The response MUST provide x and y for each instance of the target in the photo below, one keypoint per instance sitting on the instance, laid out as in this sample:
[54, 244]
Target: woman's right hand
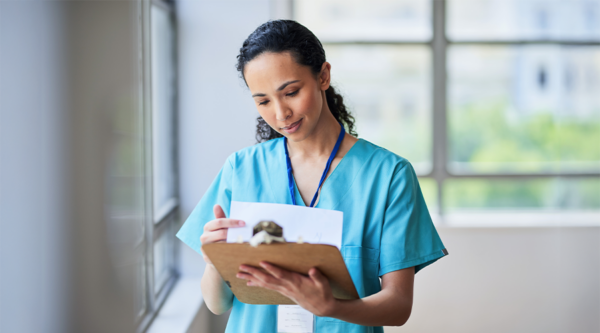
[216, 230]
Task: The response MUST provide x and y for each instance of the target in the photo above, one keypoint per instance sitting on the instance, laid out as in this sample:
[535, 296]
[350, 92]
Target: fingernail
[242, 268]
[241, 223]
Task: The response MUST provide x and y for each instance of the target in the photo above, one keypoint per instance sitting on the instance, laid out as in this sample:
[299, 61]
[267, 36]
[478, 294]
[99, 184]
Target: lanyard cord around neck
[291, 176]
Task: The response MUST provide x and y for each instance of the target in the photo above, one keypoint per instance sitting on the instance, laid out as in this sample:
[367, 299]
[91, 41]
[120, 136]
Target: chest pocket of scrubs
[363, 265]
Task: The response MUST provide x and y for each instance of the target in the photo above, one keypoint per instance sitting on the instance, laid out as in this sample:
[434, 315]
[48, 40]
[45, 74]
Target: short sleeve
[409, 237]
[219, 192]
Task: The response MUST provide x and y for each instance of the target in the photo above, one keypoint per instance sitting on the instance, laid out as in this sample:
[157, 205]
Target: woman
[387, 230]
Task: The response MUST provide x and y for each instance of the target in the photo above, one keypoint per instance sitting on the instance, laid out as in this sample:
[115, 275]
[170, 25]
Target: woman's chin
[296, 136]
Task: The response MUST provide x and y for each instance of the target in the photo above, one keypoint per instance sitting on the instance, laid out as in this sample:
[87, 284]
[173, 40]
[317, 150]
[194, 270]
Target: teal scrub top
[386, 227]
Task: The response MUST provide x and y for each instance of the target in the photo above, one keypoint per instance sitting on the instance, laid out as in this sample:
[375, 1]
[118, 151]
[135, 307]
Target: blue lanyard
[289, 167]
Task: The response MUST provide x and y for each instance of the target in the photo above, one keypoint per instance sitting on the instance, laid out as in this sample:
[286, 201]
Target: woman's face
[287, 95]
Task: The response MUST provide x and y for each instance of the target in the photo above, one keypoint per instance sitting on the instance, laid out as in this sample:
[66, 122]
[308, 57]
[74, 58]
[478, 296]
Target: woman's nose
[282, 112]
[284, 118]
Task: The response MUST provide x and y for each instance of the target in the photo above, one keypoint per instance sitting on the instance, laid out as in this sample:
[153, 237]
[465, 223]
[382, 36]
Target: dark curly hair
[290, 36]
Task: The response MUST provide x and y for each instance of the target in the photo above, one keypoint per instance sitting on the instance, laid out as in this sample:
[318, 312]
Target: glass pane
[163, 257]
[379, 20]
[557, 193]
[523, 19]
[388, 89]
[126, 208]
[125, 181]
[532, 108]
[163, 81]
[140, 289]
[429, 189]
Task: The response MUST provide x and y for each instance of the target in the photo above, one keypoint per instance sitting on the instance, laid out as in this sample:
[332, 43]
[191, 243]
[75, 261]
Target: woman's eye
[263, 103]
[293, 93]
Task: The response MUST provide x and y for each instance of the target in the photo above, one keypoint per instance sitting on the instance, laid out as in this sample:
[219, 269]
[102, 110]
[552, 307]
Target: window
[494, 102]
[160, 125]
[164, 199]
[521, 105]
[143, 193]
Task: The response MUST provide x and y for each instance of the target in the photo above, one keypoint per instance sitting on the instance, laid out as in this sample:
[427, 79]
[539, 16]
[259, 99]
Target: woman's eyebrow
[278, 89]
[286, 84]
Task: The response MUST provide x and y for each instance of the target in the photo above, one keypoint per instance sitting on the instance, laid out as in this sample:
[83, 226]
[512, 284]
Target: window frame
[439, 44]
[166, 220]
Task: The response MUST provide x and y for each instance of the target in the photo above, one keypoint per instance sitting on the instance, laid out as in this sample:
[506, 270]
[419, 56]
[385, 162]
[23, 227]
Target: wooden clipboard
[227, 258]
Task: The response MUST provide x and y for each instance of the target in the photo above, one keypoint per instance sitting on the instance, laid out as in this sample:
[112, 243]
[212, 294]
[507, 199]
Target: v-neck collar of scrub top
[334, 187]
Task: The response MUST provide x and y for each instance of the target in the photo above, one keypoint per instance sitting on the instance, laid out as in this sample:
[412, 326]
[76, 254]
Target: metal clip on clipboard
[266, 232]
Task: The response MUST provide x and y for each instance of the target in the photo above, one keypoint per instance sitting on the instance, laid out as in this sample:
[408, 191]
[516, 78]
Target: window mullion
[439, 118]
[147, 123]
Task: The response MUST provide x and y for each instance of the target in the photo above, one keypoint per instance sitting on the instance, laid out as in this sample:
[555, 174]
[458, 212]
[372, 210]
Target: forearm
[216, 293]
[385, 308]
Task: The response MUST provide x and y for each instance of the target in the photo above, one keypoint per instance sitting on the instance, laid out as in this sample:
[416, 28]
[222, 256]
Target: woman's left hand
[311, 292]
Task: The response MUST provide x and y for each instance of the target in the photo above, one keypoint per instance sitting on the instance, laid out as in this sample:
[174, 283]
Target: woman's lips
[293, 127]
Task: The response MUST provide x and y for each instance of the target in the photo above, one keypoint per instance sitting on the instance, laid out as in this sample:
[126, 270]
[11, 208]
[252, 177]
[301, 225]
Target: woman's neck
[321, 141]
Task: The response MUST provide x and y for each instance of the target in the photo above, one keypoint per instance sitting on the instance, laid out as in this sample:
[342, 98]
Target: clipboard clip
[266, 232]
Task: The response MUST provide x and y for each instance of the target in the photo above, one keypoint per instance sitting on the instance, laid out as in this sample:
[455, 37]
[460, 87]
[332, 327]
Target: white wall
[216, 113]
[543, 279]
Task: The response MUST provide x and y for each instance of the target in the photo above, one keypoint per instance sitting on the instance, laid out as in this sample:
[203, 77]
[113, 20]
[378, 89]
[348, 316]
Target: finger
[318, 278]
[252, 281]
[213, 236]
[286, 279]
[219, 213]
[259, 274]
[274, 270]
[230, 223]
[268, 286]
[255, 283]
[223, 224]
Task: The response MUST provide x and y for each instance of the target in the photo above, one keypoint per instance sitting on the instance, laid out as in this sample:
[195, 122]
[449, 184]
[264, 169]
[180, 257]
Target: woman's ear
[325, 76]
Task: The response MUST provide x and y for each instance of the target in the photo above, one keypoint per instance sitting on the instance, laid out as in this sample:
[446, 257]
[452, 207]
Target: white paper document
[314, 225]
[294, 319]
